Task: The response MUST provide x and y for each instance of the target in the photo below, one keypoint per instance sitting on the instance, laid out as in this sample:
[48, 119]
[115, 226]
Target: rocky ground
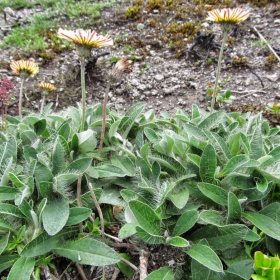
[165, 74]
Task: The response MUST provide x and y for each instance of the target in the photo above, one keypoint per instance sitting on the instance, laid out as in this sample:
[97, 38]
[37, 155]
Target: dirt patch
[165, 74]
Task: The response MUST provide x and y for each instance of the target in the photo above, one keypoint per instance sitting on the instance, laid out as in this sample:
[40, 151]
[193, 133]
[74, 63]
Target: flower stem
[83, 85]
[42, 104]
[214, 96]
[20, 97]
[104, 118]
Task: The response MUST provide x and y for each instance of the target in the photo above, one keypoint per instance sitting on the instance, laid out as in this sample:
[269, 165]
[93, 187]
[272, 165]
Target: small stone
[272, 78]
[140, 26]
[134, 82]
[159, 77]
[141, 87]
[205, 24]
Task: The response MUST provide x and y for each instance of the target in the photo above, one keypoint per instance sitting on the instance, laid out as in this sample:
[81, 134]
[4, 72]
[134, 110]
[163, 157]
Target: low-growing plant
[200, 182]
[266, 267]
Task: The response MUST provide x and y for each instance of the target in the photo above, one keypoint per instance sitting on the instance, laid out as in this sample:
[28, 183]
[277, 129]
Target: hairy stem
[42, 104]
[20, 97]
[214, 96]
[104, 118]
[98, 210]
[79, 199]
[83, 85]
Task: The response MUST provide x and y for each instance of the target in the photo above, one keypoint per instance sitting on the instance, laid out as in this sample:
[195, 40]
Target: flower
[25, 68]
[86, 38]
[4, 96]
[122, 66]
[229, 16]
[47, 86]
[7, 84]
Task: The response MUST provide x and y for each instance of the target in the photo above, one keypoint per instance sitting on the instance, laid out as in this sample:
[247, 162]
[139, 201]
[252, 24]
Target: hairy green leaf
[212, 217]
[4, 241]
[55, 215]
[163, 273]
[22, 269]
[77, 215]
[269, 226]
[215, 193]
[234, 208]
[8, 193]
[185, 222]
[208, 165]
[222, 237]
[233, 164]
[211, 120]
[146, 217]
[9, 209]
[58, 158]
[44, 243]
[88, 251]
[178, 241]
[7, 261]
[206, 256]
[149, 237]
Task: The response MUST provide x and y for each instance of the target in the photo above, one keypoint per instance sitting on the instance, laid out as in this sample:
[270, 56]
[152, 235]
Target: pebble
[159, 77]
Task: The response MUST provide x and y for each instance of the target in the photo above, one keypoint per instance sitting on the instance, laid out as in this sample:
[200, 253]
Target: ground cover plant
[205, 185]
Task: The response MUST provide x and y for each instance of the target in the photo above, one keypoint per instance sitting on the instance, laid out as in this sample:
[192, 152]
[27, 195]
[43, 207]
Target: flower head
[228, 16]
[7, 84]
[25, 68]
[86, 38]
[4, 95]
[47, 87]
[121, 67]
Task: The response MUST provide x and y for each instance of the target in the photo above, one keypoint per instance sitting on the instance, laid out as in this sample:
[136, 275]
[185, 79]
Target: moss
[152, 22]
[188, 28]
[230, 41]
[133, 12]
[240, 61]
[270, 61]
[47, 56]
[154, 5]
[259, 3]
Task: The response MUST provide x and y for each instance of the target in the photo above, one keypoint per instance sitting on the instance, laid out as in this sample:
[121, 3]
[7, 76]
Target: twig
[112, 237]
[143, 267]
[256, 76]
[100, 216]
[116, 273]
[248, 91]
[104, 118]
[47, 273]
[79, 199]
[124, 245]
[80, 271]
[271, 49]
[135, 268]
[98, 210]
